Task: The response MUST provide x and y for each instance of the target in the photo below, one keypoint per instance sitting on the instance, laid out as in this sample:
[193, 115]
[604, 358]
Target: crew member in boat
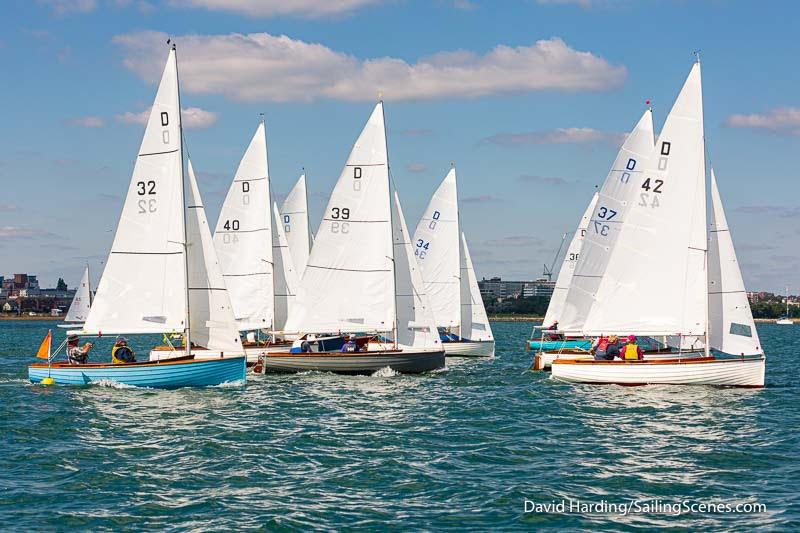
[554, 335]
[300, 346]
[121, 353]
[612, 350]
[600, 348]
[350, 345]
[77, 355]
[631, 351]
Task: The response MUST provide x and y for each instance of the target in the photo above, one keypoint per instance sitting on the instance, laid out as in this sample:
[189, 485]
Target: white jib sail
[211, 319]
[294, 219]
[474, 322]
[143, 287]
[82, 301]
[656, 279]
[437, 247]
[415, 321]
[731, 326]
[286, 278]
[618, 192]
[243, 238]
[565, 273]
[348, 284]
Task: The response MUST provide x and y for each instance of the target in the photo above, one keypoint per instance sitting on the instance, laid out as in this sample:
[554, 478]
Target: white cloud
[466, 5]
[87, 122]
[779, 120]
[272, 8]
[416, 167]
[557, 136]
[63, 7]
[586, 4]
[264, 67]
[193, 117]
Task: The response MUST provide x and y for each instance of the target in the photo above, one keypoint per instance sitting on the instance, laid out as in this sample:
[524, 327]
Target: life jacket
[121, 355]
[631, 352]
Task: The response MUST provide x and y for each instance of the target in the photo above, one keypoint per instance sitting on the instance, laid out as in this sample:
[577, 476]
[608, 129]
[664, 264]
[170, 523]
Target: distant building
[498, 288]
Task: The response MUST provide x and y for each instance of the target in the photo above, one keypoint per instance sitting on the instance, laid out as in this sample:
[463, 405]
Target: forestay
[619, 191]
[436, 245]
[415, 321]
[732, 329]
[211, 319]
[348, 284]
[565, 273]
[286, 278]
[294, 219]
[82, 301]
[243, 238]
[143, 288]
[474, 322]
[656, 279]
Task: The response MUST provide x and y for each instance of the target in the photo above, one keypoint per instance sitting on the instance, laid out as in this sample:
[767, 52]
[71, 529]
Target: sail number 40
[146, 188]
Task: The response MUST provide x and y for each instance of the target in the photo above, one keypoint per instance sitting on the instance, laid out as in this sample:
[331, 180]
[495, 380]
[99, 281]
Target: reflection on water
[456, 449]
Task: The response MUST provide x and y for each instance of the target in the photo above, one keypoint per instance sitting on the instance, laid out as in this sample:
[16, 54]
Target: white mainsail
[243, 238]
[437, 247]
[82, 301]
[415, 321]
[294, 219]
[617, 194]
[143, 287]
[656, 279]
[565, 273]
[732, 329]
[474, 321]
[211, 319]
[286, 278]
[348, 284]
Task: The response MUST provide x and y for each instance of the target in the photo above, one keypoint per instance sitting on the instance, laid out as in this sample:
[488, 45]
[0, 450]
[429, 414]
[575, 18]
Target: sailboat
[559, 297]
[294, 220]
[81, 302]
[785, 320]
[162, 274]
[361, 279]
[656, 281]
[439, 246]
[246, 240]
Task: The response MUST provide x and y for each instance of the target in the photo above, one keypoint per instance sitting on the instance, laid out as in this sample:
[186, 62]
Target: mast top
[696, 54]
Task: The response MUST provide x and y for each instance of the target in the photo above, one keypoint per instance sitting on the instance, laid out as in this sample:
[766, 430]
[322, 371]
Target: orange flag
[44, 349]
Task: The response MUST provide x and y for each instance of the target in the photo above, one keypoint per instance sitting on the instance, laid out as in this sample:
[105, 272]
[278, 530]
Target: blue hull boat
[168, 374]
[564, 344]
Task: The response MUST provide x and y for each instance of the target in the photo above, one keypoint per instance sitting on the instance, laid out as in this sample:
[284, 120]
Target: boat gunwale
[138, 364]
[353, 354]
[693, 361]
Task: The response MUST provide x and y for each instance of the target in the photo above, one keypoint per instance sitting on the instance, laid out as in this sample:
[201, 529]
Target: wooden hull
[741, 372]
[468, 348]
[175, 373]
[544, 360]
[403, 361]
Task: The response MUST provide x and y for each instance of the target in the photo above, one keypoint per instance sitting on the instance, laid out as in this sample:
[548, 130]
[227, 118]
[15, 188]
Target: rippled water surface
[459, 449]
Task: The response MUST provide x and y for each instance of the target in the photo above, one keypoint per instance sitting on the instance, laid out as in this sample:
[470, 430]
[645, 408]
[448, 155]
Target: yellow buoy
[48, 381]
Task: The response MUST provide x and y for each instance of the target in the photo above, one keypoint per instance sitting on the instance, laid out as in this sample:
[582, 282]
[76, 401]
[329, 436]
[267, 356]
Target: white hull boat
[469, 348]
[784, 322]
[739, 372]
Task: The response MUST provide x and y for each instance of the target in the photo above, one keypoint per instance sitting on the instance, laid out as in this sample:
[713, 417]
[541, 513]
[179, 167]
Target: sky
[529, 98]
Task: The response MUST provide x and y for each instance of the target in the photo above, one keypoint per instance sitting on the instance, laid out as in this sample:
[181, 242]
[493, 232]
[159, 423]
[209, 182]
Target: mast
[391, 230]
[309, 235]
[270, 219]
[708, 307]
[460, 257]
[187, 333]
[89, 284]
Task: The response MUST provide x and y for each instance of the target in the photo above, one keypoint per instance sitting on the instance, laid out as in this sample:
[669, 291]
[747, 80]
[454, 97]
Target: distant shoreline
[23, 318]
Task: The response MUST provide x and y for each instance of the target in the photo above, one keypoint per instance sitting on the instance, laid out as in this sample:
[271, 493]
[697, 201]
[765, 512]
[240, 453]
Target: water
[459, 449]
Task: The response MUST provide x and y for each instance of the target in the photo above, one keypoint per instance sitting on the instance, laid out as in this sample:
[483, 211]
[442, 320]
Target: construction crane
[548, 271]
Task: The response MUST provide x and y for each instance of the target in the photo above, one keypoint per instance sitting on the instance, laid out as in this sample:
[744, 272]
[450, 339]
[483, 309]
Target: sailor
[77, 355]
[631, 351]
[350, 345]
[300, 346]
[600, 348]
[121, 353]
[612, 350]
